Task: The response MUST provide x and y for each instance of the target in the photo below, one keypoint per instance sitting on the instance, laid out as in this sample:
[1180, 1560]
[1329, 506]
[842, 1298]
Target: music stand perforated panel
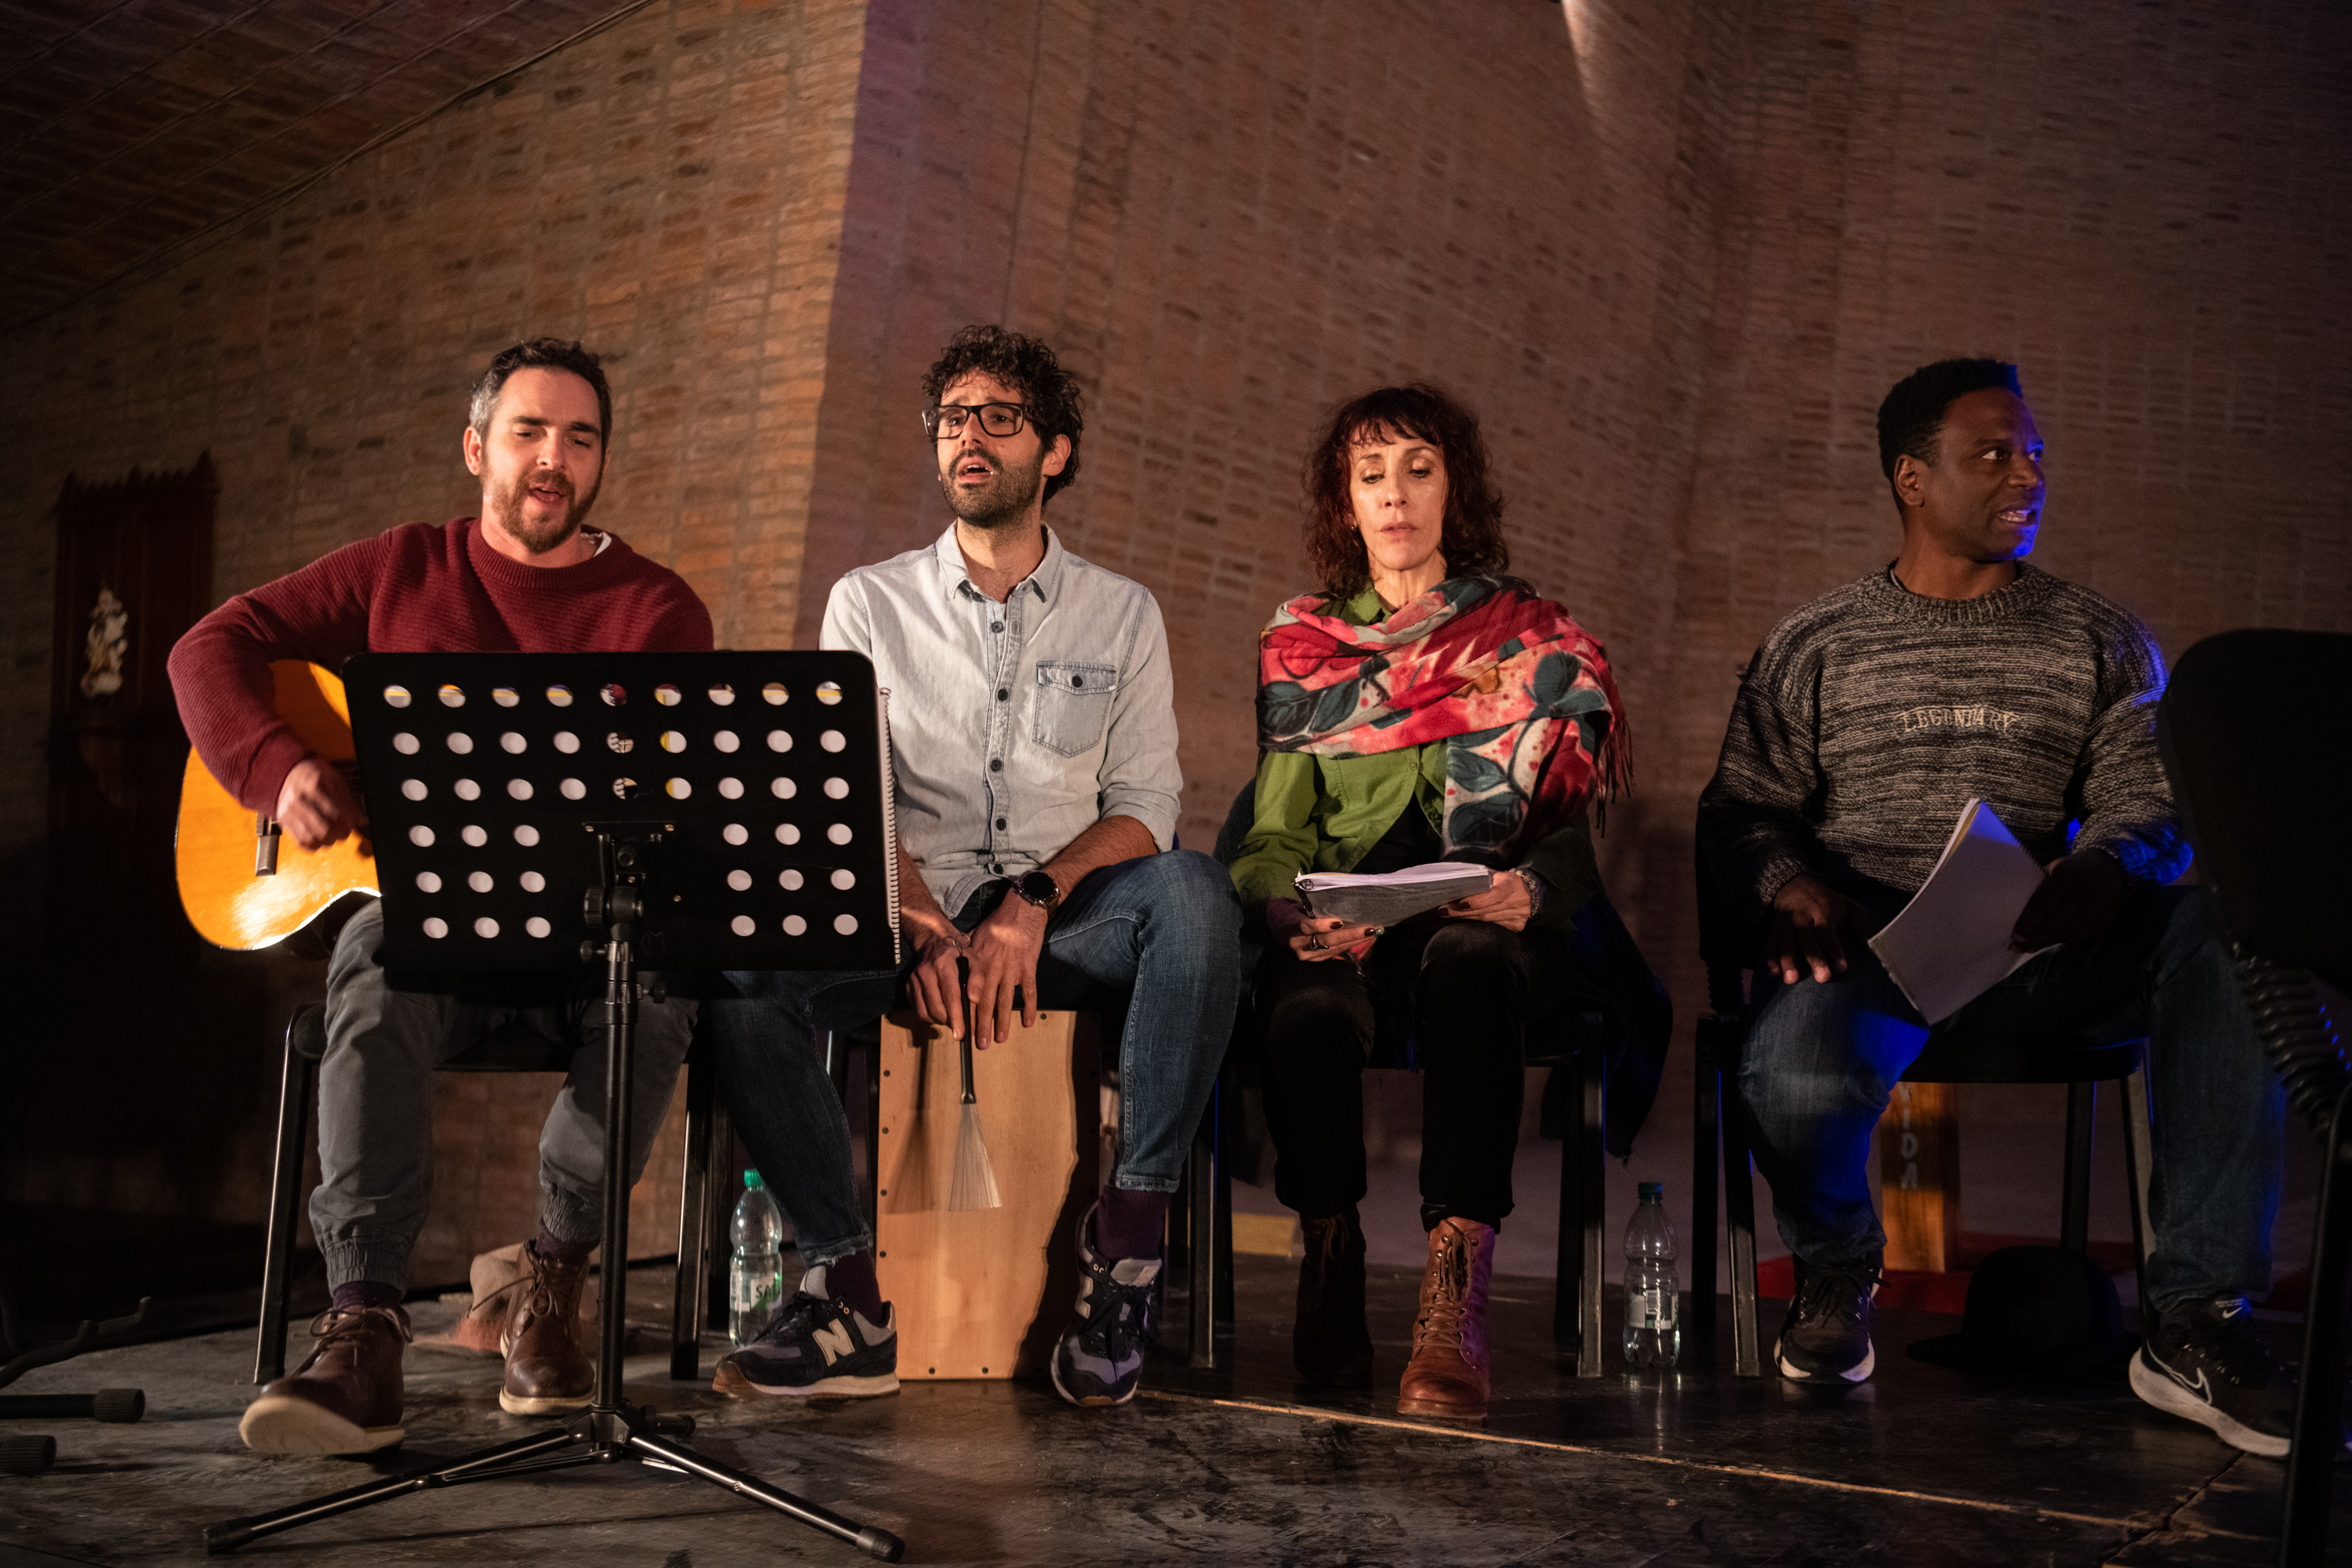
[486, 776]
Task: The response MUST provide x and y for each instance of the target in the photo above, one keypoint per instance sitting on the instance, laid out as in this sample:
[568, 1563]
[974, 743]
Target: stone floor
[1239, 1465]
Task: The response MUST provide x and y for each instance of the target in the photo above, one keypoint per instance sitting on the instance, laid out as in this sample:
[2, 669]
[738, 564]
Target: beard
[552, 533]
[1005, 499]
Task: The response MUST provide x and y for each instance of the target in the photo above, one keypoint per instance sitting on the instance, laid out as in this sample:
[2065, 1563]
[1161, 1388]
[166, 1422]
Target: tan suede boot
[547, 1370]
[1448, 1373]
[497, 1281]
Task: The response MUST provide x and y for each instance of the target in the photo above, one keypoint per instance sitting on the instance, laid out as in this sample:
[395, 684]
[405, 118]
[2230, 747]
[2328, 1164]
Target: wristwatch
[1038, 889]
[1535, 886]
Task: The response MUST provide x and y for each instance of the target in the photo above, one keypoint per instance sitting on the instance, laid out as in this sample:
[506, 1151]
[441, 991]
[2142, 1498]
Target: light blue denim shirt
[1014, 726]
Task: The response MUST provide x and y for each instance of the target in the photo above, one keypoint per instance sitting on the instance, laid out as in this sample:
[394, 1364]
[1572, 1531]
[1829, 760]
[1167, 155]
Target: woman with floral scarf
[1422, 707]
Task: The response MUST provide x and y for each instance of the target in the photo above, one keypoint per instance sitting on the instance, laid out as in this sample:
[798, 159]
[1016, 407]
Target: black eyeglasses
[946, 421]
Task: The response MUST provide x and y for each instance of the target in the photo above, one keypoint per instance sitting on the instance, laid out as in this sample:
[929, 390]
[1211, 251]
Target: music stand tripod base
[668, 880]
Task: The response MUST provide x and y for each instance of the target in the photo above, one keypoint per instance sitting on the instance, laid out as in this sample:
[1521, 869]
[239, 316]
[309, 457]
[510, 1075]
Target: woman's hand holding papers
[1503, 903]
[2077, 899]
[1315, 938]
[1807, 917]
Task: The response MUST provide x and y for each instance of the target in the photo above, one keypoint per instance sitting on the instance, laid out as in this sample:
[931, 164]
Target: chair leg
[2139, 1163]
[2318, 1403]
[1707, 1139]
[295, 1084]
[693, 1227]
[1739, 1216]
[2075, 1215]
[1589, 1155]
[1568, 1264]
[1200, 1238]
[718, 1215]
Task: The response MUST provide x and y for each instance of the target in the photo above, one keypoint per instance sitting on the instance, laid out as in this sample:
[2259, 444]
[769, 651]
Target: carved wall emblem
[108, 640]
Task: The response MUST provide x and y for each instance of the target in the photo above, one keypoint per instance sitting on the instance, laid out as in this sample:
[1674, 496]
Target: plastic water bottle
[755, 1281]
[1654, 1332]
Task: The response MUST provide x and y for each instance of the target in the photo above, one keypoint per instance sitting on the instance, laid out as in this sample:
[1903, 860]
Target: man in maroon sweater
[525, 576]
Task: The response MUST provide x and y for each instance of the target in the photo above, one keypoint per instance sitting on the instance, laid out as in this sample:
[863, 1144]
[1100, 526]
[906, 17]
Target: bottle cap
[1653, 1192]
[751, 1179]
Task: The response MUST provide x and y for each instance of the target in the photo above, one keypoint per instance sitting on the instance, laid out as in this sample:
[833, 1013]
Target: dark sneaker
[345, 1396]
[1100, 1356]
[815, 1347]
[2204, 1363]
[1826, 1336]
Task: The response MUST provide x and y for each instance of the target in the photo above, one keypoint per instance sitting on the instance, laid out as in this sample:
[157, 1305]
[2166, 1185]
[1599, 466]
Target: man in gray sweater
[1863, 725]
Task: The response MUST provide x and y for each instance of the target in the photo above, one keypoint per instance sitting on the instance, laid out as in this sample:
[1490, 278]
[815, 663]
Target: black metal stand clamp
[625, 907]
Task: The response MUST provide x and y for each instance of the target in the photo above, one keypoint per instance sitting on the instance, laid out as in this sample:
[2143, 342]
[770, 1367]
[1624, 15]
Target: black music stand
[703, 811]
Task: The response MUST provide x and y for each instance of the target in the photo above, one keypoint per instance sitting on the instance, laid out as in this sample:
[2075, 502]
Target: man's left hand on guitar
[316, 806]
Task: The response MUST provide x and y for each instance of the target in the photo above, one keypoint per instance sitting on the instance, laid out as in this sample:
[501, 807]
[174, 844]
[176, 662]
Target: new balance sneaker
[1826, 1336]
[1101, 1357]
[815, 1347]
[2204, 1363]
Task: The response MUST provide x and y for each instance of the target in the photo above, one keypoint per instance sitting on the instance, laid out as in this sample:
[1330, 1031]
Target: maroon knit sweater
[416, 589]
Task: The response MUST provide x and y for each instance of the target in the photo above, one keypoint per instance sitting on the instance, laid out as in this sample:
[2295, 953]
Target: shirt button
[996, 625]
[1002, 695]
[996, 764]
[999, 825]
[998, 869]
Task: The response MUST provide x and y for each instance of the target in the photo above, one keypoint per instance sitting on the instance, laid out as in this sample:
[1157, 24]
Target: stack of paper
[1390, 896]
[1950, 943]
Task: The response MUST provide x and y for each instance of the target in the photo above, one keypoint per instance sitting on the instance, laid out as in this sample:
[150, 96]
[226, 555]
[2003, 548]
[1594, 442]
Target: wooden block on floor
[1919, 1172]
[985, 1293]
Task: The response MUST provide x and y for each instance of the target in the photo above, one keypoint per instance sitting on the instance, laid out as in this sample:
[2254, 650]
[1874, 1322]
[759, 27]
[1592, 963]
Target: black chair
[509, 1049]
[1729, 939]
[2259, 771]
[1573, 1108]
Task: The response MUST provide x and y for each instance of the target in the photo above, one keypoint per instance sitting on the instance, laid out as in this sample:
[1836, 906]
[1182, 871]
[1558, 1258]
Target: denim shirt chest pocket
[1073, 705]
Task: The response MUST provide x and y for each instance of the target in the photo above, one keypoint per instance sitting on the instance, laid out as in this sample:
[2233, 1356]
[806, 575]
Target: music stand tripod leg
[608, 1429]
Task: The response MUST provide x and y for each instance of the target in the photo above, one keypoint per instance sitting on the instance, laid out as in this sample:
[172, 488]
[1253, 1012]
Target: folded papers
[1950, 943]
[1387, 897]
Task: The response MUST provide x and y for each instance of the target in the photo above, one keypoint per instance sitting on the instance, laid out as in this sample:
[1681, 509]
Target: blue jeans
[1155, 938]
[1822, 1060]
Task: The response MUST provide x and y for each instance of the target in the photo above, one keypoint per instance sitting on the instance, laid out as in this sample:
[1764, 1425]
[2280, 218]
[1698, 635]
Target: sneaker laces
[1121, 1318]
[797, 1316]
[1822, 1294]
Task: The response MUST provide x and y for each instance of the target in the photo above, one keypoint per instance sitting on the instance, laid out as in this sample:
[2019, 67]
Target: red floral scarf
[1520, 694]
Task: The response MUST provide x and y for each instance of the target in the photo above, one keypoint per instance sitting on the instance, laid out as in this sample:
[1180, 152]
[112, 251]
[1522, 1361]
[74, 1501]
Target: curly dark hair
[1048, 392]
[1911, 418]
[1473, 538]
[541, 353]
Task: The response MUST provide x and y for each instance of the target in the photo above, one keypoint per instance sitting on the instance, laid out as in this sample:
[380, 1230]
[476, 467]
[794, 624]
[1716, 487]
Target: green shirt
[1324, 814]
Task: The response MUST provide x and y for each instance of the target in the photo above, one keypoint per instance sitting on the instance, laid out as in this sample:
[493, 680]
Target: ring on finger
[1314, 941]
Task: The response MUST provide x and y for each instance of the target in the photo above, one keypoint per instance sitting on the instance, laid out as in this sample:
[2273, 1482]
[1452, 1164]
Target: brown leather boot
[547, 1372]
[345, 1396]
[1329, 1342]
[1447, 1374]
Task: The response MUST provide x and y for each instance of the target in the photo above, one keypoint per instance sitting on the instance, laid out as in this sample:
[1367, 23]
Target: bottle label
[754, 1290]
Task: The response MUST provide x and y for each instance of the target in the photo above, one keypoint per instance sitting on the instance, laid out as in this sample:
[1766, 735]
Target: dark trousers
[1453, 997]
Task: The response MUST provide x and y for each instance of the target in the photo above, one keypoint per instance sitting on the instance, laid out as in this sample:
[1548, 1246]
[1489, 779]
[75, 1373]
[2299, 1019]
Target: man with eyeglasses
[1034, 740]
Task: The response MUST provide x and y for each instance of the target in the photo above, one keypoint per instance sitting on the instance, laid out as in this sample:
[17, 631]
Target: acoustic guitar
[245, 884]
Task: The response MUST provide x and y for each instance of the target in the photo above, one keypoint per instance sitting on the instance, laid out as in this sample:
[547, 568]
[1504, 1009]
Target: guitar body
[229, 903]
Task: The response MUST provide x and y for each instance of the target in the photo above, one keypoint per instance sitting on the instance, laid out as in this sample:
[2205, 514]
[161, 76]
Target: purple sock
[851, 1280]
[1129, 1224]
[354, 1294]
[556, 1249]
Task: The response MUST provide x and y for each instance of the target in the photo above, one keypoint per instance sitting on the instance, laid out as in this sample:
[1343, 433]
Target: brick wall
[668, 190]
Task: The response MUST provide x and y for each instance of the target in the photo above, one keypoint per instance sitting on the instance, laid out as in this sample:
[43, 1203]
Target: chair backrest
[2261, 772]
[1238, 818]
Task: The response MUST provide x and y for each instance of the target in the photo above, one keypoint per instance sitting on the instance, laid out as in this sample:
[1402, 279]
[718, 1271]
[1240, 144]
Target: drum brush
[973, 1185]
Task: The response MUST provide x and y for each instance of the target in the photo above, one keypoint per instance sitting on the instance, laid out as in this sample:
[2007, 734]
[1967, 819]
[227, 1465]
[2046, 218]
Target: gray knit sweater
[1869, 716]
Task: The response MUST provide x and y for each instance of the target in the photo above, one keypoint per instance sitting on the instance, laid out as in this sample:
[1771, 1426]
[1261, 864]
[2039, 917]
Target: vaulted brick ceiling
[129, 126]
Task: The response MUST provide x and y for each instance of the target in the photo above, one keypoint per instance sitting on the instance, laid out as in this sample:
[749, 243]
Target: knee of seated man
[1464, 949]
[1186, 885]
